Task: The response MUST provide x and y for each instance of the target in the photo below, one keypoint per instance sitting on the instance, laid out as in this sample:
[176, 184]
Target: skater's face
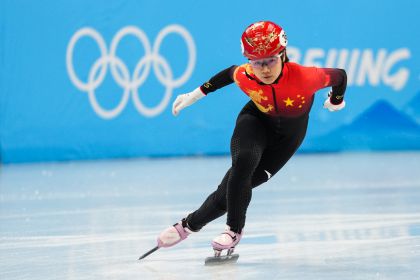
[267, 69]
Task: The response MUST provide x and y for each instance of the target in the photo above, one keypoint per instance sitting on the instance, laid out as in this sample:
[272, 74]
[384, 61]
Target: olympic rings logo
[119, 70]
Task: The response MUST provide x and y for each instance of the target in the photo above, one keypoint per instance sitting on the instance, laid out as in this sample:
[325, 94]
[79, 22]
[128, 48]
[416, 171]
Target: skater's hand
[185, 100]
[331, 107]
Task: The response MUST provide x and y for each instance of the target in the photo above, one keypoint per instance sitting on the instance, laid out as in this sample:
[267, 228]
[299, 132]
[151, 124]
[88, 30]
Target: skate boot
[174, 234]
[226, 241]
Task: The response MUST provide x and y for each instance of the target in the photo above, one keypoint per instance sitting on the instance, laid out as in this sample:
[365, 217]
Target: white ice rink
[336, 216]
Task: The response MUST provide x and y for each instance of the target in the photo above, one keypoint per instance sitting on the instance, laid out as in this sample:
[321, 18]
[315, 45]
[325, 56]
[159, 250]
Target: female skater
[269, 129]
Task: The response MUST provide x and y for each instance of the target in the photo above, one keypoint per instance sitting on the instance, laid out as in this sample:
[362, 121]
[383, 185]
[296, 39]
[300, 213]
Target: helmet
[263, 39]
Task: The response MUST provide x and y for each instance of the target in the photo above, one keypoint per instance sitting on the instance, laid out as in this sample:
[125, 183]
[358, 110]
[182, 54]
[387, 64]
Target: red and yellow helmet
[263, 39]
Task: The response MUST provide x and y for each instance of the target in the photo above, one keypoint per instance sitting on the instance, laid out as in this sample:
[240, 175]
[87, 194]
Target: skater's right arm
[221, 79]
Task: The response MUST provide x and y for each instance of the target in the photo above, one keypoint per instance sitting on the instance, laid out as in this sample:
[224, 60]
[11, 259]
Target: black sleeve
[337, 93]
[221, 79]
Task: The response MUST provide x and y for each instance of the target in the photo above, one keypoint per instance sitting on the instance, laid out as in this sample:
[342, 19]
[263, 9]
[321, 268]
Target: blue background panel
[46, 116]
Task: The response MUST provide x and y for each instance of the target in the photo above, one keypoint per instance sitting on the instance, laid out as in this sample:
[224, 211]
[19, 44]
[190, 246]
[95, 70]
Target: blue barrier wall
[96, 79]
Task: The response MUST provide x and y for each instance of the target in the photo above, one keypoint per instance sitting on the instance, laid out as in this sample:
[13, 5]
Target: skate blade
[221, 260]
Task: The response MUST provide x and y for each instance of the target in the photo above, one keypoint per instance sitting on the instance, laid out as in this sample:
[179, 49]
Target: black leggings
[260, 147]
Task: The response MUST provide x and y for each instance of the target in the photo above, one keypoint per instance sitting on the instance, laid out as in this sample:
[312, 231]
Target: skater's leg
[272, 160]
[216, 203]
[247, 146]
[279, 152]
[212, 208]
[253, 132]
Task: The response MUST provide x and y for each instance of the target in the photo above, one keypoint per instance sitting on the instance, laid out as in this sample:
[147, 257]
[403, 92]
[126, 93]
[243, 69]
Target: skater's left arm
[337, 79]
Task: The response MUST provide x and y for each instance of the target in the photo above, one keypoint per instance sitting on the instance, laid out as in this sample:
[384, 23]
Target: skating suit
[268, 131]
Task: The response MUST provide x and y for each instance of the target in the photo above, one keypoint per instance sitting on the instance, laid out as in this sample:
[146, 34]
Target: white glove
[331, 107]
[185, 100]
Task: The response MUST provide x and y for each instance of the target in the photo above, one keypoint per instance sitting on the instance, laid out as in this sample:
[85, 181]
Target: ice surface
[336, 216]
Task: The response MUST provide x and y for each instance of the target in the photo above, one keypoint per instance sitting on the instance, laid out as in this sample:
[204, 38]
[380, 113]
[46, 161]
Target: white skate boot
[174, 234]
[225, 241]
[171, 236]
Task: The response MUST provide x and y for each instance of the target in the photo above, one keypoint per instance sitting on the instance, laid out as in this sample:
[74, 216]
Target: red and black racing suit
[269, 130]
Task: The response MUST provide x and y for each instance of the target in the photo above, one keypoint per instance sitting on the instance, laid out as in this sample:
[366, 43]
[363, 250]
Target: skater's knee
[260, 176]
[246, 159]
[242, 150]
